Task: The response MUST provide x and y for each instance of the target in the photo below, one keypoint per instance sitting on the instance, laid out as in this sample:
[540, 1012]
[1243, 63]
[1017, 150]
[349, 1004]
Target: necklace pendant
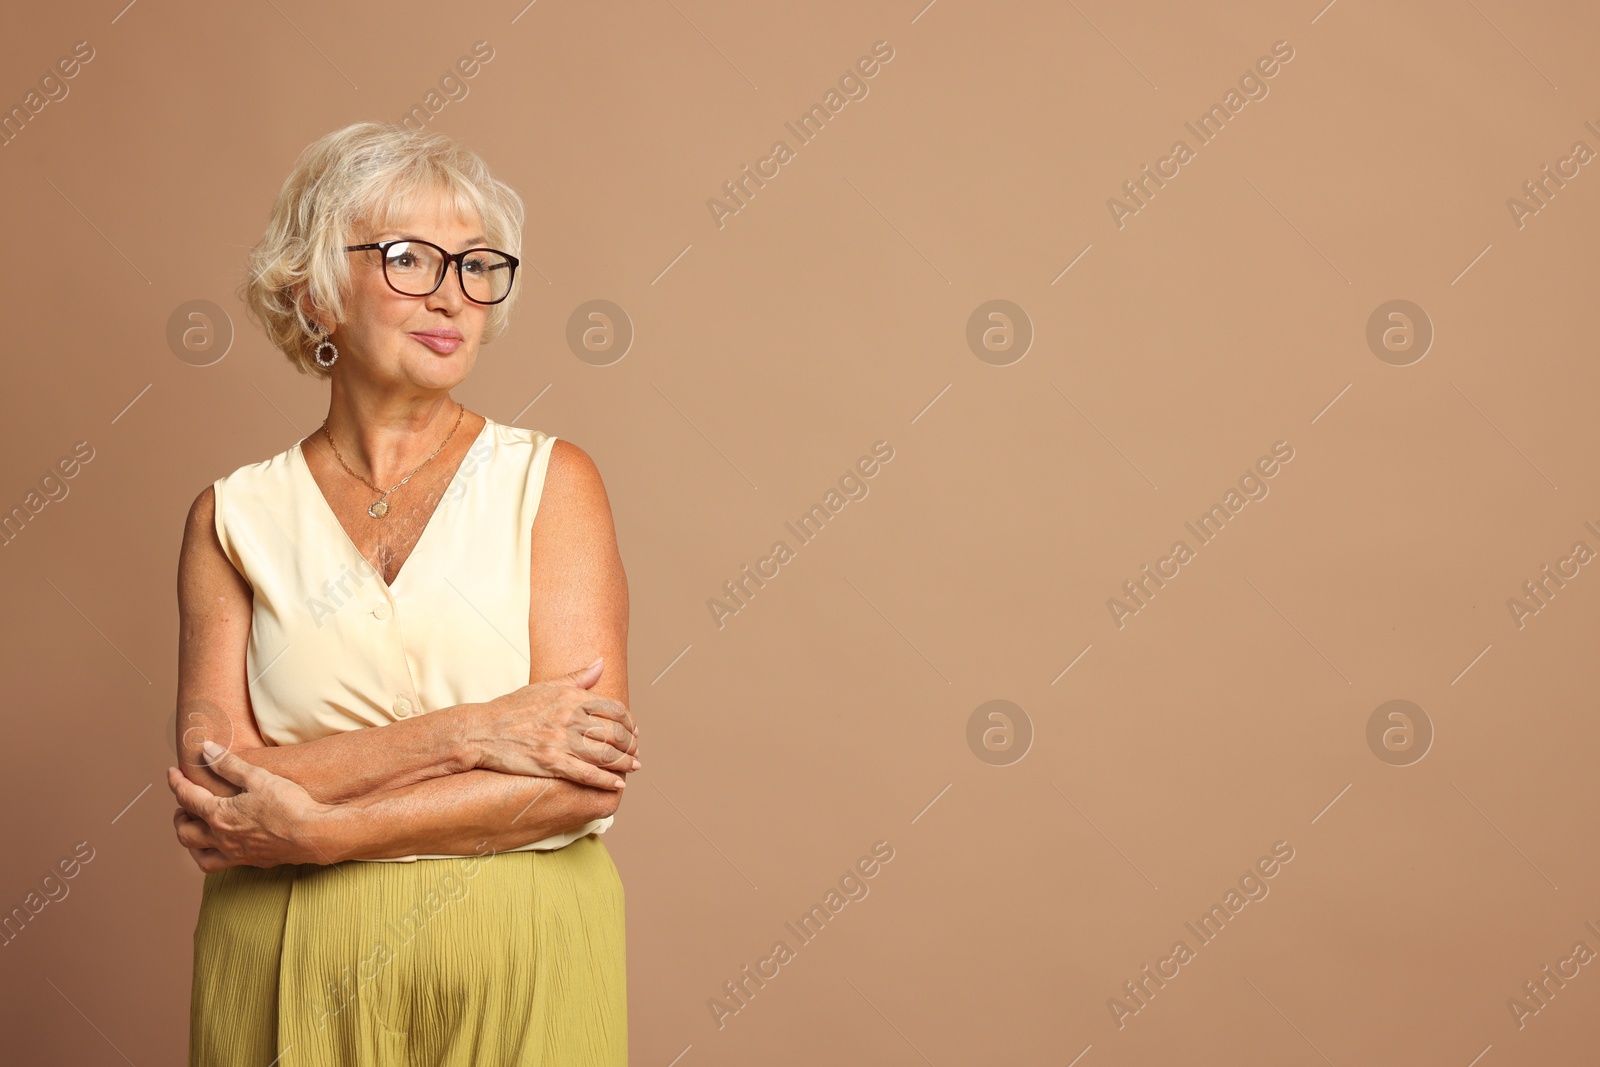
[379, 509]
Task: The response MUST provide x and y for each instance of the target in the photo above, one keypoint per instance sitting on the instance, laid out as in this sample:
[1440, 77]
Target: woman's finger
[181, 818]
[240, 772]
[195, 800]
[615, 710]
[209, 859]
[192, 833]
[606, 732]
[609, 743]
[601, 754]
[588, 774]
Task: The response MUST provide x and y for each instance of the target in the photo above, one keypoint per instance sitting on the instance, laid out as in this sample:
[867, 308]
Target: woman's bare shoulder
[204, 569]
[574, 495]
[202, 517]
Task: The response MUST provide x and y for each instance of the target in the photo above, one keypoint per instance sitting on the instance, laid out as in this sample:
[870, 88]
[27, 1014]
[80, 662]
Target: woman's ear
[309, 314]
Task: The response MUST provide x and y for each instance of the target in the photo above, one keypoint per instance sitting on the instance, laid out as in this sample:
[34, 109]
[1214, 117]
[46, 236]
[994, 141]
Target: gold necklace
[380, 507]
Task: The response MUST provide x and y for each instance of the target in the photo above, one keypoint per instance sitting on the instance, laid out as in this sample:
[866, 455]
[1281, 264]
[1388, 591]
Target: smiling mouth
[443, 344]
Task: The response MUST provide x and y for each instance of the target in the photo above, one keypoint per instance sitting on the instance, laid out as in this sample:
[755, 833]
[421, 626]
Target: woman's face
[425, 342]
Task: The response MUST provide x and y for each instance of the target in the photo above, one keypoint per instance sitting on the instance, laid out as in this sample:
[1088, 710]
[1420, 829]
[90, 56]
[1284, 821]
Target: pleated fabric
[511, 958]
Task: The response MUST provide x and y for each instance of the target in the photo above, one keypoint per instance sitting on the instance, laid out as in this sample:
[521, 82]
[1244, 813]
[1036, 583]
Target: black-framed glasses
[417, 268]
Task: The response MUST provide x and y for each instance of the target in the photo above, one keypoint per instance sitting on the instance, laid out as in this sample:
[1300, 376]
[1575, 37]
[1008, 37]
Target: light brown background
[829, 314]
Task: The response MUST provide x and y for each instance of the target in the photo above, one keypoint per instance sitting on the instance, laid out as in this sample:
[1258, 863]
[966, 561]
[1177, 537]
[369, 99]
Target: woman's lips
[440, 343]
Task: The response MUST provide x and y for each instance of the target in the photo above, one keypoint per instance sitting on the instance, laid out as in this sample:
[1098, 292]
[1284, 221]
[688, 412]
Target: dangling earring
[331, 347]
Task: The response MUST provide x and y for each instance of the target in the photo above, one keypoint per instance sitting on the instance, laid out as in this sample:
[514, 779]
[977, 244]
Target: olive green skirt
[512, 958]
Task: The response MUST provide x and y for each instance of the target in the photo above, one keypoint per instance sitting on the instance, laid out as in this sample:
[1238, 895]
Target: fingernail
[597, 660]
[635, 764]
[212, 750]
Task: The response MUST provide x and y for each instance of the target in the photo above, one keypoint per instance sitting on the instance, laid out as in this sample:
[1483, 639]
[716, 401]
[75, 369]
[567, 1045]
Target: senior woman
[434, 891]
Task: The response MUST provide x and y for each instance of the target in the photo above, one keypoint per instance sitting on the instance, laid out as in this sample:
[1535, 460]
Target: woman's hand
[271, 821]
[556, 729]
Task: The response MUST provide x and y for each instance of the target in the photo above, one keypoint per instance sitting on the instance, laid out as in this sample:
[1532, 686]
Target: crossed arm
[412, 786]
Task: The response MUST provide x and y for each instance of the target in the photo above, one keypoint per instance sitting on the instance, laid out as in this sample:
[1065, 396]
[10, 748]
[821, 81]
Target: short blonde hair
[369, 173]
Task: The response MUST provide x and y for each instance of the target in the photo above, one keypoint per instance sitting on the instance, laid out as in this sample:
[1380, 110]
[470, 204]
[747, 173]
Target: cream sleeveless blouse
[332, 647]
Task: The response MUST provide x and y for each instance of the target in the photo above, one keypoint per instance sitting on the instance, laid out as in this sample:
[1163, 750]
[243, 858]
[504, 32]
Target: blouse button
[402, 707]
[382, 610]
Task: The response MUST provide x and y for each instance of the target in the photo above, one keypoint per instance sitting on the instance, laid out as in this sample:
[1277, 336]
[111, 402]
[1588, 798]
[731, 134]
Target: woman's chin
[435, 371]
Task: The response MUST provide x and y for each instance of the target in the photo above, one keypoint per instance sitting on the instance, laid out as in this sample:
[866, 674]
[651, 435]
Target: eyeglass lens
[416, 269]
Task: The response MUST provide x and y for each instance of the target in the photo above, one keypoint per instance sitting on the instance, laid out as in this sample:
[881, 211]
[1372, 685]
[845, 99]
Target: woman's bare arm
[578, 607]
[271, 820]
[461, 814]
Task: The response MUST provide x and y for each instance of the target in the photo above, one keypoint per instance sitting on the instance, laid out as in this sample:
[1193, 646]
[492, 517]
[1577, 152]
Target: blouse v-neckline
[333, 516]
